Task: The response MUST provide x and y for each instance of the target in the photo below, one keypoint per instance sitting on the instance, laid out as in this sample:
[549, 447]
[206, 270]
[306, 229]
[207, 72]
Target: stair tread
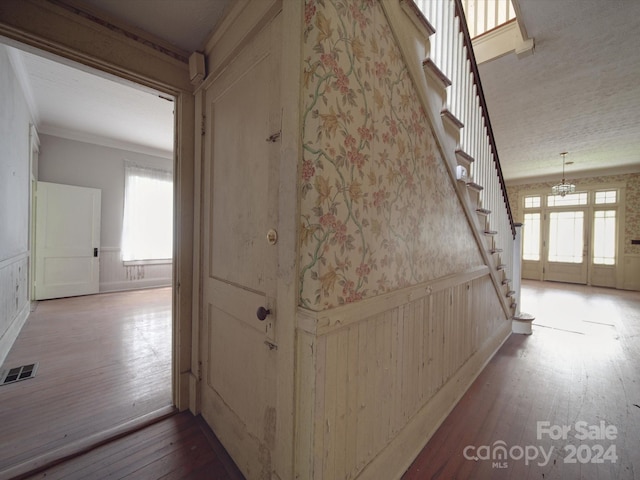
[511, 293]
[474, 186]
[463, 156]
[506, 281]
[483, 211]
[496, 250]
[502, 266]
[448, 115]
[428, 65]
[490, 232]
[418, 18]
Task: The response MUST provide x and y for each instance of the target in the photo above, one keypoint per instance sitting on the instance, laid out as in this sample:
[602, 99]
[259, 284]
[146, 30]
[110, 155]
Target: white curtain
[147, 230]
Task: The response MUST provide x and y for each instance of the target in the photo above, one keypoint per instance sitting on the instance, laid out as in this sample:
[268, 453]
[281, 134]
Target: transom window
[610, 196]
[532, 202]
[567, 200]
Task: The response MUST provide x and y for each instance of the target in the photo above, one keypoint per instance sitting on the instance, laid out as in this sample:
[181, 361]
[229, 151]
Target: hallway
[581, 364]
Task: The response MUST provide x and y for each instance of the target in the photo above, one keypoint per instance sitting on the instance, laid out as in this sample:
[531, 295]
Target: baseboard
[9, 336]
[399, 454]
[111, 287]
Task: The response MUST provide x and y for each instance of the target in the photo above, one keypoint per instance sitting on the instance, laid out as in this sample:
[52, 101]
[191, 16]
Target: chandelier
[563, 187]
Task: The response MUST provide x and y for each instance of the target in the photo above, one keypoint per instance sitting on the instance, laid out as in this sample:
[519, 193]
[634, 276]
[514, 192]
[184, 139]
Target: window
[571, 199]
[609, 196]
[604, 237]
[566, 236]
[531, 236]
[147, 230]
[532, 202]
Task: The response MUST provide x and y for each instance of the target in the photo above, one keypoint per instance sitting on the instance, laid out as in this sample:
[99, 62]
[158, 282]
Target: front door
[67, 240]
[566, 252]
[240, 198]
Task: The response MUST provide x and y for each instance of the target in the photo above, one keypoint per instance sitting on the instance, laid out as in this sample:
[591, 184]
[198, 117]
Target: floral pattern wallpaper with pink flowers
[378, 208]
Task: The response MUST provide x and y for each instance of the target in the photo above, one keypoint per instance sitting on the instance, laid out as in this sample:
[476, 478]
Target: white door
[241, 162]
[67, 240]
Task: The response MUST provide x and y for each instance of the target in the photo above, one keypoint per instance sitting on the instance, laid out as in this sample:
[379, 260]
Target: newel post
[517, 264]
[521, 322]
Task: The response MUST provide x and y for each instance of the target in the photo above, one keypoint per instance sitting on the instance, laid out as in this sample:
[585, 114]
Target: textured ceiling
[579, 92]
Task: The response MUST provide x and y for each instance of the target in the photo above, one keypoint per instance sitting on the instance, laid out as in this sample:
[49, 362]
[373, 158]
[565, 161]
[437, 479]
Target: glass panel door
[566, 250]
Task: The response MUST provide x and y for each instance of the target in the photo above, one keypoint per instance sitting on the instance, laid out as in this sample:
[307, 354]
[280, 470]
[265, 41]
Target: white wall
[14, 205]
[83, 164]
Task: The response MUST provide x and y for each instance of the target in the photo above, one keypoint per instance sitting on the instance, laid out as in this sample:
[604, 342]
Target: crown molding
[601, 172]
[104, 141]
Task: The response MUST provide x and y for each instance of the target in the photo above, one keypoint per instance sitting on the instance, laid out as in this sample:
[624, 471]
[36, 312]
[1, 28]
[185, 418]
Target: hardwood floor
[582, 364]
[104, 363]
[180, 447]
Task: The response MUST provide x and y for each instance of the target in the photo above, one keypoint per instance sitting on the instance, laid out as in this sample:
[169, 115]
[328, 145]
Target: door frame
[615, 274]
[66, 34]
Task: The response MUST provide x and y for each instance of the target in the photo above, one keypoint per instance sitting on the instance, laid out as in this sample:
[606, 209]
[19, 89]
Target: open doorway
[112, 325]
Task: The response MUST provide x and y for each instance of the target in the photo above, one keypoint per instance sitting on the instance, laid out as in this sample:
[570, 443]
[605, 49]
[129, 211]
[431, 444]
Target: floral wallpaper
[632, 203]
[378, 208]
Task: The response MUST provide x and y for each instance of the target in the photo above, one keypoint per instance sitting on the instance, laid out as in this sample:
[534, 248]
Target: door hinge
[271, 345]
[274, 138]
[202, 125]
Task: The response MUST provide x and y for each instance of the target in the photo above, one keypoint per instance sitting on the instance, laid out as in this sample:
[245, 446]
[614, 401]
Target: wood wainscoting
[375, 379]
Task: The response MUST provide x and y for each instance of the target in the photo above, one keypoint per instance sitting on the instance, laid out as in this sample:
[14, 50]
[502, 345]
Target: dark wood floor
[581, 364]
[179, 447]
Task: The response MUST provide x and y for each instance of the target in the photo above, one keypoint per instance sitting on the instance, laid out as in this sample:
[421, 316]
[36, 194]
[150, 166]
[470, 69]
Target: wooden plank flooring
[582, 363]
[104, 361]
[179, 447]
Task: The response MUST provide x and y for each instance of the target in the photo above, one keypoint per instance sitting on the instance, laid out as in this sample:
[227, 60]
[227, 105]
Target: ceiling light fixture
[563, 187]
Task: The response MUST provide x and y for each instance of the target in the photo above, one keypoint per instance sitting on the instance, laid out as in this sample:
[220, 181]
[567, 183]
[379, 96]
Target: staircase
[440, 59]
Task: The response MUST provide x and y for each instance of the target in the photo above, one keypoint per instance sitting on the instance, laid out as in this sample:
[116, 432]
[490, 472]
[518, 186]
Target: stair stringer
[413, 43]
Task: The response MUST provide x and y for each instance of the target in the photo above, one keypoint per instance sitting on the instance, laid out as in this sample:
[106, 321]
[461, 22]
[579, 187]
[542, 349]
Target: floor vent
[18, 373]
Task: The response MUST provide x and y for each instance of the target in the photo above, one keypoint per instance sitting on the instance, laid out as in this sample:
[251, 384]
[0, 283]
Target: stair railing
[452, 53]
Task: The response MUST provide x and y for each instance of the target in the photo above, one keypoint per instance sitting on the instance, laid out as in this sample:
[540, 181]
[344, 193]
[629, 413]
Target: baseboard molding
[399, 454]
[134, 285]
[9, 336]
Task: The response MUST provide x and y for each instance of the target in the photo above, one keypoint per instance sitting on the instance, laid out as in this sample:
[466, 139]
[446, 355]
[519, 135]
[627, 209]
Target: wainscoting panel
[373, 375]
[14, 300]
[115, 276]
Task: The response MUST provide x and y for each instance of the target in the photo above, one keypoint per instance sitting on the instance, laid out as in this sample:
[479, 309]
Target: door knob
[262, 313]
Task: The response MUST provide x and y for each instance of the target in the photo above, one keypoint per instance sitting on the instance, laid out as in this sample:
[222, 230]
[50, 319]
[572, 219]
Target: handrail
[459, 10]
